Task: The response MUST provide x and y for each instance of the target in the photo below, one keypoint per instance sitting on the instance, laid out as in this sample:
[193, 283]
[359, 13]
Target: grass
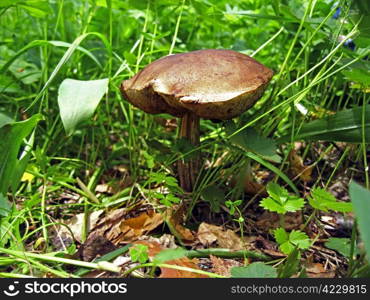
[123, 148]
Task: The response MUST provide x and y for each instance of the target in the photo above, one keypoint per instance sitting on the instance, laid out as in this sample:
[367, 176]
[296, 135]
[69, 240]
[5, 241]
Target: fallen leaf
[175, 218]
[223, 266]
[95, 246]
[118, 228]
[228, 239]
[133, 228]
[317, 270]
[154, 248]
[75, 225]
[181, 262]
[298, 168]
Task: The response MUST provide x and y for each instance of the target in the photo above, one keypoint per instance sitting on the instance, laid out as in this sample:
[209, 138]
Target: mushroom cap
[213, 84]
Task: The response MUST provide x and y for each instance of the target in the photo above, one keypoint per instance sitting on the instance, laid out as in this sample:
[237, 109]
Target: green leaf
[281, 236]
[8, 84]
[5, 232]
[5, 207]
[288, 242]
[299, 239]
[360, 198]
[168, 200]
[280, 201]
[341, 245]
[254, 270]
[12, 136]
[274, 169]
[323, 200]
[139, 253]
[277, 192]
[5, 119]
[24, 71]
[21, 164]
[36, 8]
[290, 267]
[250, 140]
[272, 205]
[78, 100]
[170, 254]
[215, 196]
[344, 126]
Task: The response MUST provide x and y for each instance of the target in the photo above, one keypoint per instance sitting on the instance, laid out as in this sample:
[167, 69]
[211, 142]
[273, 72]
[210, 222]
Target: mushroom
[209, 84]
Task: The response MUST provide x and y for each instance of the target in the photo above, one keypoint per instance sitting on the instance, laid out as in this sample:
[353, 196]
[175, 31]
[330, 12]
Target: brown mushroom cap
[213, 84]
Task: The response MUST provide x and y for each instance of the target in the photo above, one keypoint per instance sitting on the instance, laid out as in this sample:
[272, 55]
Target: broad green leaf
[6, 3]
[170, 254]
[358, 75]
[36, 8]
[277, 192]
[344, 126]
[78, 100]
[250, 140]
[288, 242]
[8, 84]
[25, 72]
[360, 11]
[215, 196]
[21, 164]
[5, 207]
[5, 119]
[12, 136]
[5, 234]
[271, 205]
[286, 247]
[280, 201]
[254, 270]
[323, 200]
[299, 239]
[360, 198]
[342, 245]
[281, 236]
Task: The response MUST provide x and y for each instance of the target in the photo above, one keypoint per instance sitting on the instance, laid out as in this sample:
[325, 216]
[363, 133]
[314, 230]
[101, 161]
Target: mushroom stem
[188, 168]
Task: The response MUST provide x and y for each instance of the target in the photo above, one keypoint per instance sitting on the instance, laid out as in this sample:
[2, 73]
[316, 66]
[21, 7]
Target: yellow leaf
[27, 177]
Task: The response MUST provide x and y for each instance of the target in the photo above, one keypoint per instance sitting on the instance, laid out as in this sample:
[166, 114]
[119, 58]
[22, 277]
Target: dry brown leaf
[176, 217]
[117, 228]
[223, 266]
[228, 239]
[317, 270]
[93, 247]
[154, 248]
[75, 225]
[298, 168]
[133, 228]
[181, 262]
